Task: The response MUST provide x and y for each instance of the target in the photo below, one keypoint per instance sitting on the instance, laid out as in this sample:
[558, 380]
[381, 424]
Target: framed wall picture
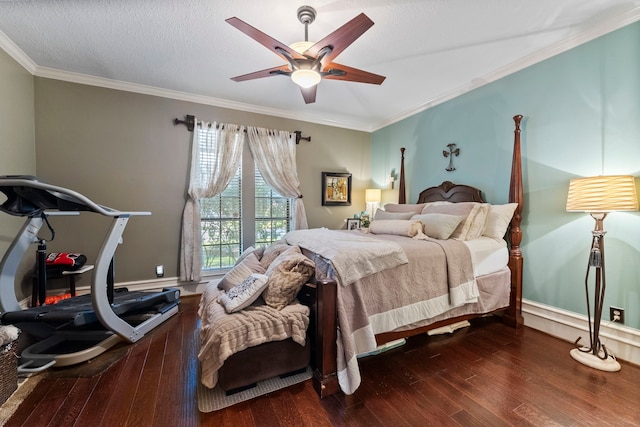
[353, 223]
[336, 189]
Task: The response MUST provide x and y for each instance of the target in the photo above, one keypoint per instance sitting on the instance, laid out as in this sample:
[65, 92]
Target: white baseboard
[621, 341]
[186, 288]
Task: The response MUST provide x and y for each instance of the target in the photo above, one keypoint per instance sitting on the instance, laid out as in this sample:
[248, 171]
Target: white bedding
[407, 303]
[354, 256]
[488, 255]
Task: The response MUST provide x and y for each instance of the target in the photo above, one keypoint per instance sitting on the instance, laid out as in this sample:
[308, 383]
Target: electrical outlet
[159, 270]
[616, 314]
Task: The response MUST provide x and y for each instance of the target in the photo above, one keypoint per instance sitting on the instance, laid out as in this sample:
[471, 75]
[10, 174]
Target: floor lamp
[599, 195]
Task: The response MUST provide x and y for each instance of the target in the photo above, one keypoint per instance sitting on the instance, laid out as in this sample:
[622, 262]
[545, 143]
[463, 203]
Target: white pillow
[437, 225]
[466, 209]
[250, 264]
[382, 215]
[498, 220]
[244, 294]
[478, 222]
[274, 250]
[398, 227]
[250, 250]
[414, 208]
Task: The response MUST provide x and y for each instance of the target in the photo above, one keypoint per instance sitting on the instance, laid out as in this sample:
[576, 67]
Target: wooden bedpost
[402, 196]
[325, 378]
[513, 316]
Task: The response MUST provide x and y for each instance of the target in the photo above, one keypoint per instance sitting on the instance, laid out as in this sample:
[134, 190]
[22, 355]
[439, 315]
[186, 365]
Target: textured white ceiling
[429, 50]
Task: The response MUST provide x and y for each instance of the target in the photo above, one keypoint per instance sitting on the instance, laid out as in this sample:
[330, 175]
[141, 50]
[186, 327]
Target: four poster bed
[325, 292]
[397, 280]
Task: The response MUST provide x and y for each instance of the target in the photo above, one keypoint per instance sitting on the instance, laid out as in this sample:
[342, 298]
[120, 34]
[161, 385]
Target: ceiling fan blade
[283, 69]
[264, 39]
[351, 74]
[341, 38]
[309, 94]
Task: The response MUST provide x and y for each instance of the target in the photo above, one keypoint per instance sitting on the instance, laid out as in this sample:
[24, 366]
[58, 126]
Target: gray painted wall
[17, 144]
[122, 150]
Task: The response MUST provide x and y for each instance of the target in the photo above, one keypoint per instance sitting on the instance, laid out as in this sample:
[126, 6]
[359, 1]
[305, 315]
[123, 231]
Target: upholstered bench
[252, 326]
[275, 358]
[251, 345]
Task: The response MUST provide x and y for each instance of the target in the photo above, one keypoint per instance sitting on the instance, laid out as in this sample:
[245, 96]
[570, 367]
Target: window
[272, 213]
[248, 212]
[221, 226]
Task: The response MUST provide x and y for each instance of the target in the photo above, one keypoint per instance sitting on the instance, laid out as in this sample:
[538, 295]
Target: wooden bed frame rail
[324, 323]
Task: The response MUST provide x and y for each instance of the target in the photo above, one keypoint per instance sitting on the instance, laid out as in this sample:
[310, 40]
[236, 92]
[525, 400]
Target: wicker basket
[8, 371]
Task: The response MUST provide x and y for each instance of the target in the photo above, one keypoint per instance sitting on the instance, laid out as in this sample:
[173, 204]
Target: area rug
[210, 400]
[25, 386]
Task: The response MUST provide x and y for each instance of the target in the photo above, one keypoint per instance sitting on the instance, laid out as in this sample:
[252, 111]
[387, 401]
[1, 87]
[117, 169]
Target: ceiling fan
[309, 62]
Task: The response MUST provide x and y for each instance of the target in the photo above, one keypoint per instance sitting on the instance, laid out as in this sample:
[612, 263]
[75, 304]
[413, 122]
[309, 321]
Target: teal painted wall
[581, 117]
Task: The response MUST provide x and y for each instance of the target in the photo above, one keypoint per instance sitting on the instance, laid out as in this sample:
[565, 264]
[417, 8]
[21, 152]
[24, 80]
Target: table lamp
[372, 197]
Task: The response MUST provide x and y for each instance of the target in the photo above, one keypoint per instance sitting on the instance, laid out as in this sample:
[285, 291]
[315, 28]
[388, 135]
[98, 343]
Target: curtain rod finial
[299, 137]
[189, 121]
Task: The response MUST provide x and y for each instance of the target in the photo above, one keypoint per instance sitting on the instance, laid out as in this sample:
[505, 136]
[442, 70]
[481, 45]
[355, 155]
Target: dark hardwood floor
[485, 375]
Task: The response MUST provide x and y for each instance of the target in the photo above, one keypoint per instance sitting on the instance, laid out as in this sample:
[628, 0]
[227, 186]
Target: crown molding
[598, 30]
[16, 53]
[52, 73]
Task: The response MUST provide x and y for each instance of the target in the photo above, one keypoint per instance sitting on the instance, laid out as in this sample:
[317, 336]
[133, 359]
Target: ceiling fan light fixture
[305, 78]
[301, 47]
[309, 62]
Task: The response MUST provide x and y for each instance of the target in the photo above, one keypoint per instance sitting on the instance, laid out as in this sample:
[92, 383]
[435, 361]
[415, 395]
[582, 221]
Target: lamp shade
[306, 78]
[372, 195]
[602, 194]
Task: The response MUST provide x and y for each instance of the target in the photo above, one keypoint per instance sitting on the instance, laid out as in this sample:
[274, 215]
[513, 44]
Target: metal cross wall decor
[453, 151]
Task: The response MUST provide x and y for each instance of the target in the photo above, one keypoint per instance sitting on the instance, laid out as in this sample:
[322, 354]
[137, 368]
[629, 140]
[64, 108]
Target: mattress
[488, 256]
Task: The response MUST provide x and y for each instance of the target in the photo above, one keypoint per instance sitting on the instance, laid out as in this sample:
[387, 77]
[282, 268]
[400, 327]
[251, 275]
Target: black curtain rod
[190, 122]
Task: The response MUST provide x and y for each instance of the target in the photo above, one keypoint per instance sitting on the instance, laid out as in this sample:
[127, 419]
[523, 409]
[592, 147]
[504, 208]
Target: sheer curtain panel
[220, 145]
[274, 152]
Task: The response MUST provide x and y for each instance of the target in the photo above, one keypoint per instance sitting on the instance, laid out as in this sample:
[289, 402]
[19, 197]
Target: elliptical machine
[79, 328]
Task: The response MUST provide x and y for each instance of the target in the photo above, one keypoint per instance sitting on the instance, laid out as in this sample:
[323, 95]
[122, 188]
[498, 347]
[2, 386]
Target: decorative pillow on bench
[274, 250]
[249, 265]
[245, 293]
[287, 273]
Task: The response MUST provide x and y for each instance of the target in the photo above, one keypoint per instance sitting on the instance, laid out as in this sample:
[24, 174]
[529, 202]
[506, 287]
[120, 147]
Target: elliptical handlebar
[26, 196]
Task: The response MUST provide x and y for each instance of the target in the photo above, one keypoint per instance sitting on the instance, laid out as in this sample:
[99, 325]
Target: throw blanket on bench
[222, 334]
